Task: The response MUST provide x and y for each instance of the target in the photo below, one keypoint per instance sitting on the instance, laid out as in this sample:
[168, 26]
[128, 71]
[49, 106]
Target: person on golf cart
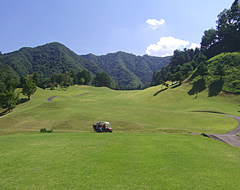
[99, 127]
[103, 127]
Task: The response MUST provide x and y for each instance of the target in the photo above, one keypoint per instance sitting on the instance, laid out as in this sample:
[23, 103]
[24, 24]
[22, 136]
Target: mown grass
[117, 161]
[137, 155]
[172, 110]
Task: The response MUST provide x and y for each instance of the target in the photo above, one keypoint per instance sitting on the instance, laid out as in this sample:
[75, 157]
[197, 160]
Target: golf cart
[102, 126]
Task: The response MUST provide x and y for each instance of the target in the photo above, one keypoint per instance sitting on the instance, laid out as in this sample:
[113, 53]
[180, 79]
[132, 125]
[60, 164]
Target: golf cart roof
[103, 122]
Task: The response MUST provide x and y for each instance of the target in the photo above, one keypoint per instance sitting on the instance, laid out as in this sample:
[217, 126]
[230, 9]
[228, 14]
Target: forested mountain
[216, 65]
[128, 70]
[46, 60]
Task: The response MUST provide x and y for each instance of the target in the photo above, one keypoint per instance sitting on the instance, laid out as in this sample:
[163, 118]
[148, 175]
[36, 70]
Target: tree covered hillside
[47, 60]
[226, 36]
[216, 65]
[224, 72]
[129, 70]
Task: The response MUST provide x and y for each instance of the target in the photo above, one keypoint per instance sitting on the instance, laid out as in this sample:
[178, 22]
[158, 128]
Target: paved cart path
[230, 137]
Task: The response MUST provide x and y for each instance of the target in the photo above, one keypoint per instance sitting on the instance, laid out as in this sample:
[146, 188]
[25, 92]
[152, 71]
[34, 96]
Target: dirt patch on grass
[82, 94]
[50, 99]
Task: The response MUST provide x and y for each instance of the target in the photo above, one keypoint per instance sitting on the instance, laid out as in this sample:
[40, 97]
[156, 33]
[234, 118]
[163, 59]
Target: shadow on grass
[215, 88]
[23, 100]
[216, 112]
[4, 113]
[176, 85]
[198, 86]
[159, 91]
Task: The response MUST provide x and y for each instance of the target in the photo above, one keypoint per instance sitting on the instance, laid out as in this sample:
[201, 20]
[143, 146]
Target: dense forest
[127, 70]
[214, 65]
[226, 36]
[46, 60]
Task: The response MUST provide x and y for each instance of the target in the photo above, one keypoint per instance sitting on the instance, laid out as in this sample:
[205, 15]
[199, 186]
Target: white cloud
[154, 24]
[194, 46]
[166, 46]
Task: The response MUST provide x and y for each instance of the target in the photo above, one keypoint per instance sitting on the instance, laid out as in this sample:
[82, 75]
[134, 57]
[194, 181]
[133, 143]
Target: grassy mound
[231, 64]
[148, 111]
[223, 75]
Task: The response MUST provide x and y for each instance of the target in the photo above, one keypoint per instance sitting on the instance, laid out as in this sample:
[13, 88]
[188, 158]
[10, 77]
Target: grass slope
[148, 111]
[231, 64]
[117, 161]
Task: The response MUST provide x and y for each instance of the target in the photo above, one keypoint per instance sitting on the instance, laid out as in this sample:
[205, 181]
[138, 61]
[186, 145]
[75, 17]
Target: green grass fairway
[117, 161]
[139, 154]
[146, 111]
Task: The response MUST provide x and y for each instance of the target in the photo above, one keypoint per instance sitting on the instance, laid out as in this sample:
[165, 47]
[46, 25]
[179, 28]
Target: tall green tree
[178, 76]
[36, 78]
[103, 79]
[226, 37]
[208, 39]
[29, 88]
[186, 69]
[220, 71]
[169, 76]
[8, 98]
[202, 69]
[62, 79]
[73, 75]
[81, 81]
[86, 75]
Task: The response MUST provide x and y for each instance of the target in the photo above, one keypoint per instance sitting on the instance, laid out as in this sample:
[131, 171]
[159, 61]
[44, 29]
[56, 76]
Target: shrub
[44, 130]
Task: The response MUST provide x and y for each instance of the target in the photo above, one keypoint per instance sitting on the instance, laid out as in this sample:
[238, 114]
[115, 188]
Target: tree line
[10, 95]
[83, 77]
[180, 67]
[225, 38]
[127, 70]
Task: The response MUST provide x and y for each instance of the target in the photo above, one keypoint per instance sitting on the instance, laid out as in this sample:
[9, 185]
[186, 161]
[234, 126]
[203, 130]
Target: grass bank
[146, 111]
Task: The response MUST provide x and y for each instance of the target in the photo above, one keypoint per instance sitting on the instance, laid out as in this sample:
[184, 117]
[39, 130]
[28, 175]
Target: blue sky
[153, 27]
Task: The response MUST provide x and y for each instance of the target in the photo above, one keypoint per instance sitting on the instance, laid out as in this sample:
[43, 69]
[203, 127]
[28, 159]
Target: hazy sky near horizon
[153, 27]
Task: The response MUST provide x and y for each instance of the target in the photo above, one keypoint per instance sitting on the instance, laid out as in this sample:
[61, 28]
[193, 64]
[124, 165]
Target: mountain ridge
[140, 68]
[53, 58]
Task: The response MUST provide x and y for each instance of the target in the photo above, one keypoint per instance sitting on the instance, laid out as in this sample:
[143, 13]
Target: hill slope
[230, 62]
[46, 60]
[53, 58]
[143, 111]
[221, 72]
[128, 69]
